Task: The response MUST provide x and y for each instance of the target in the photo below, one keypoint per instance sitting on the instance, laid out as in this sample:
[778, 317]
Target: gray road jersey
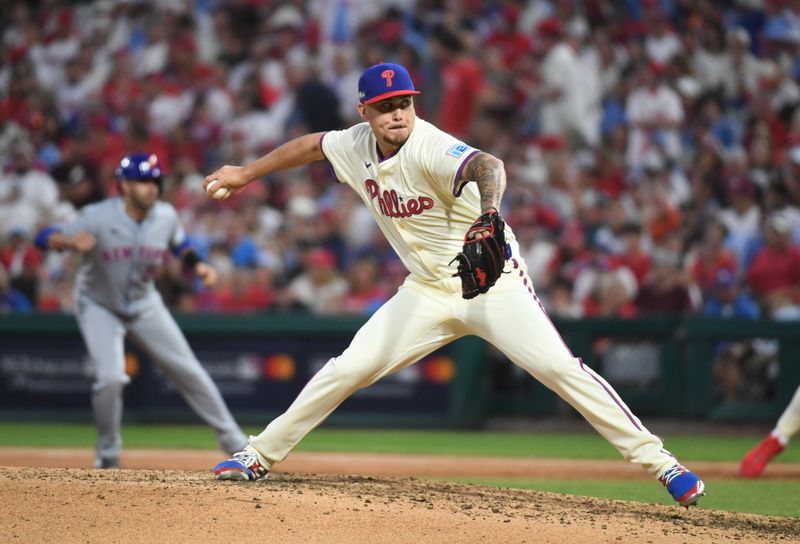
[118, 273]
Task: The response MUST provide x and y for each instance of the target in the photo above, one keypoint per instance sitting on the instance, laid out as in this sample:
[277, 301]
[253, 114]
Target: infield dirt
[152, 502]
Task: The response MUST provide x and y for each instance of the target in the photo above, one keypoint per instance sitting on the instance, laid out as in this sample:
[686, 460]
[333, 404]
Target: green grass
[516, 444]
[460, 443]
[767, 497]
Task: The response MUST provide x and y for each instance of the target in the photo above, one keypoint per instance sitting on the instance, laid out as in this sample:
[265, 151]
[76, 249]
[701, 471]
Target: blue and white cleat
[683, 485]
[243, 466]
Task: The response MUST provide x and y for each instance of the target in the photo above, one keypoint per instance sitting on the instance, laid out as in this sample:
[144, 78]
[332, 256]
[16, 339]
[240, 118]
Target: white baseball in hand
[220, 193]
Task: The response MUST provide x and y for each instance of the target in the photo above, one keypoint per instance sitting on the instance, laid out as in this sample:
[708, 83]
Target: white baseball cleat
[243, 466]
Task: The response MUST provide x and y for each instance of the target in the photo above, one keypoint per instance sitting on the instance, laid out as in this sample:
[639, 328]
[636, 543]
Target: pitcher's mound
[129, 506]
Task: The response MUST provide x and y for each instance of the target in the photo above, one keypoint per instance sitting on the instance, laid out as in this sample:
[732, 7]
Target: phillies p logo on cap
[382, 81]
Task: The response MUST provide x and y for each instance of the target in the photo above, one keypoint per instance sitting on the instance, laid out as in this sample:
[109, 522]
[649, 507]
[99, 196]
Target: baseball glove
[481, 260]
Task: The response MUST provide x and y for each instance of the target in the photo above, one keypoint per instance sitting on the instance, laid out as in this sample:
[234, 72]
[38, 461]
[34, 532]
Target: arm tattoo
[490, 176]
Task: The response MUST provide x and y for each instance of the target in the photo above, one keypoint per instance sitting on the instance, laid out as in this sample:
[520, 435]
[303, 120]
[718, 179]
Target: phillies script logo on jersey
[392, 205]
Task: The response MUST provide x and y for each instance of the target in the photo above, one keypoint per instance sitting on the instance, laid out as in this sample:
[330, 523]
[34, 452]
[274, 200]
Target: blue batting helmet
[139, 167]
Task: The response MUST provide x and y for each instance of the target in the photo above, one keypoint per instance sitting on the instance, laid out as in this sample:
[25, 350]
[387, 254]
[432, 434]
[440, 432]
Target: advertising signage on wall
[252, 373]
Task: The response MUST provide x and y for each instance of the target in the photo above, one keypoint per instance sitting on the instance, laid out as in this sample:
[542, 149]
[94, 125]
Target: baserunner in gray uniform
[124, 242]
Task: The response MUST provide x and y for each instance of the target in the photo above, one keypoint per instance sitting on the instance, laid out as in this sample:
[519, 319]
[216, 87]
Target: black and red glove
[481, 260]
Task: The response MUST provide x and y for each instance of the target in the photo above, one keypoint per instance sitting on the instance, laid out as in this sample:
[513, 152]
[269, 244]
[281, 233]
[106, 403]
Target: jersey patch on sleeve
[458, 150]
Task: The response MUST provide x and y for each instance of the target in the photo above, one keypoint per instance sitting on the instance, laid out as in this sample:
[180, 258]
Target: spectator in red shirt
[613, 294]
[633, 255]
[247, 291]
[122, 91]
[774, 274]
[365, 293]
[665, 290]
[462, 85]
[711, 257]
[504, 35]
[15, 105]
[572, 256]
[101, 146]
[663, 218]
[22, 260]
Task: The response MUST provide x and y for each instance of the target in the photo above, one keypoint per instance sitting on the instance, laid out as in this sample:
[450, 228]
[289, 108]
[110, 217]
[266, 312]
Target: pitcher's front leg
[409, 326]
[530, 340]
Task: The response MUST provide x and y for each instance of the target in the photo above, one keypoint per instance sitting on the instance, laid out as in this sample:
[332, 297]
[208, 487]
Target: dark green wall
[685, 347]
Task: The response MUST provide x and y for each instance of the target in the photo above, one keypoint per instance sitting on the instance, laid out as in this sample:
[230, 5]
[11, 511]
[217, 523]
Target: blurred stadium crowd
[652, 146]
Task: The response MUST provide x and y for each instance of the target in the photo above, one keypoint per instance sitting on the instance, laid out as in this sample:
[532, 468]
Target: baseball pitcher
[123, 242]
[437, 200]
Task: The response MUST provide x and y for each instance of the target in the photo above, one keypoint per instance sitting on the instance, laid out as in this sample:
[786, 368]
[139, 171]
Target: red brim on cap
[390, 94]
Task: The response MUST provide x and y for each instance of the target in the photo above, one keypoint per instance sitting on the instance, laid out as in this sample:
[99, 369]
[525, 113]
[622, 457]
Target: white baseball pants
[422, 317]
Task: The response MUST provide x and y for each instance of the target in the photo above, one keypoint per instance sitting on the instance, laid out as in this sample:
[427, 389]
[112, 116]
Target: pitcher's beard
[393, 141]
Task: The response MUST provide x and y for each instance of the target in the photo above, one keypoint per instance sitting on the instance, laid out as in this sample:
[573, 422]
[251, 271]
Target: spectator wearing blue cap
[727, 300]
[11, 300]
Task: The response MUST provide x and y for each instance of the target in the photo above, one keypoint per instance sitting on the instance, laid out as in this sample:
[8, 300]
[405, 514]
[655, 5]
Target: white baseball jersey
[424, 211]
[414, 194]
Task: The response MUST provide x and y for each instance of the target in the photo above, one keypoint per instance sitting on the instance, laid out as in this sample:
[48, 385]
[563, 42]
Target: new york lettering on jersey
[126, 253]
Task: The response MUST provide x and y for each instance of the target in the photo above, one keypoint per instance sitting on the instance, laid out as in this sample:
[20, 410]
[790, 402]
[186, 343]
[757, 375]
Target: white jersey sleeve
[442, 156]
[415, 195]
[339, 148]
